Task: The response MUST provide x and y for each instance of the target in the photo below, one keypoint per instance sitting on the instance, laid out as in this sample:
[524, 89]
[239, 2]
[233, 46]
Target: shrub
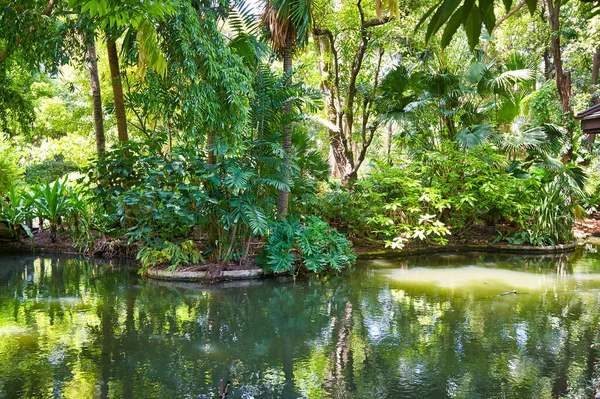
[312, 244]
[51, 202]
[445, 190]
[10, 172]
[165, 199]
[172, 254]
[48, 171]
[16, 210]
[56, 202]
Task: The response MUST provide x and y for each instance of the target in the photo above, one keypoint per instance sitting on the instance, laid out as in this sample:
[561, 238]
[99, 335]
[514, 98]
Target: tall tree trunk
[214, 227]
[343, 157]
[284, 195]
[547, 65]
[595, 98]
[325, 67]
[348, 153]
[117, 85]
[562, 78]
[595, 71]
[92, 64]
[388, 142]
[210, 147]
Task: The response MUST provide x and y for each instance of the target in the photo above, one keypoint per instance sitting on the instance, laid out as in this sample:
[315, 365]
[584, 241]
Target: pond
[438, 326]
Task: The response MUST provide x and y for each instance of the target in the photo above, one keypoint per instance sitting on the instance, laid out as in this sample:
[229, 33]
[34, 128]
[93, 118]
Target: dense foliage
[172, 128]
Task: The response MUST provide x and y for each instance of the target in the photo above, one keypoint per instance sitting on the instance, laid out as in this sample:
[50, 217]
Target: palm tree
[288, 23]
[92, 64]
[117, 85]
[129, 17]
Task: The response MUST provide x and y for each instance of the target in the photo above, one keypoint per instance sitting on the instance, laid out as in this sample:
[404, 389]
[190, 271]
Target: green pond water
[421, 327]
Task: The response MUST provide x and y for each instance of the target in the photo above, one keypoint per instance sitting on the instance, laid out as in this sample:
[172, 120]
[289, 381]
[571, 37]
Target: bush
[451, 190]
[170, 254]
[16, 210]
[313, 244]
[56, 203]
[51, 202]
[544, 105]
[48, 171]
[10, 172]
[164, 200]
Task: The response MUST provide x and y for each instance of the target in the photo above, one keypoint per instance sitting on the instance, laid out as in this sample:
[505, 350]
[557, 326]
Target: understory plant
[51, 202]
[9, 169]
[15, 210]
[423, 199]
[49, 170]
[166, 201]
[312, 243]
[56, 203]
[557, 205]
[170, 254]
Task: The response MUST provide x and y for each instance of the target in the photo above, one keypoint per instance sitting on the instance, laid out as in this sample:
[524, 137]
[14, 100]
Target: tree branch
[367, 112]
[376, 22]
[509, 14]
[336, 68]
[48, 10]
[20, 39]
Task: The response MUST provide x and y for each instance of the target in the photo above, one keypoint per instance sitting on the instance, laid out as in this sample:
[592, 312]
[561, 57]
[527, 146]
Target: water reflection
[77, 328]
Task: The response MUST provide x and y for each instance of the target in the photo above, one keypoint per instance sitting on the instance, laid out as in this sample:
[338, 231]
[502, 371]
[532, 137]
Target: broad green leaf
[532, 5]
[455, 21]
[440, 17]
[473, 27]
[486, 10]
[507, 4]
[452, 26]
[425, 16]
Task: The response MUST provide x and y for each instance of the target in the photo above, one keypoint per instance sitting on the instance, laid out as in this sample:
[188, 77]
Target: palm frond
[474, 136]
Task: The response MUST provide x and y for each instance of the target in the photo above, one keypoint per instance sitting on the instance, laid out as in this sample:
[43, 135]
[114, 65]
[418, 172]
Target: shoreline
[124, 252]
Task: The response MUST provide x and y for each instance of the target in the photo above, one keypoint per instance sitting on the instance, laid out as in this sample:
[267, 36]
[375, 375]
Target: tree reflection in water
[79, 328]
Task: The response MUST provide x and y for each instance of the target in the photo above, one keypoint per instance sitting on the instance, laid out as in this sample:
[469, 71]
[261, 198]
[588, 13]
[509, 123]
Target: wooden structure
[590, 121]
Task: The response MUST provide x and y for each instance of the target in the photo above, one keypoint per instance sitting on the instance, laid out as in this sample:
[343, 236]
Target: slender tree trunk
[595, 98]
[284, 195]
[388, 143]
[562, 78]
[92, 64]
[321, 45]
[334, 171]
[547, 65]
[210, 147]
[214, 227]
[53, 231]
[117, 85]
[348, 153]
[595, 70]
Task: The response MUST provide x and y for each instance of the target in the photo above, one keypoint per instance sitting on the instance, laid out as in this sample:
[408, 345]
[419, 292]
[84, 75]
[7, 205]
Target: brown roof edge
[588, 111]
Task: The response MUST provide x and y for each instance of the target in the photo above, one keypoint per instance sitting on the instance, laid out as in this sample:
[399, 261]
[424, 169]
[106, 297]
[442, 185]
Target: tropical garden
[290, 134]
